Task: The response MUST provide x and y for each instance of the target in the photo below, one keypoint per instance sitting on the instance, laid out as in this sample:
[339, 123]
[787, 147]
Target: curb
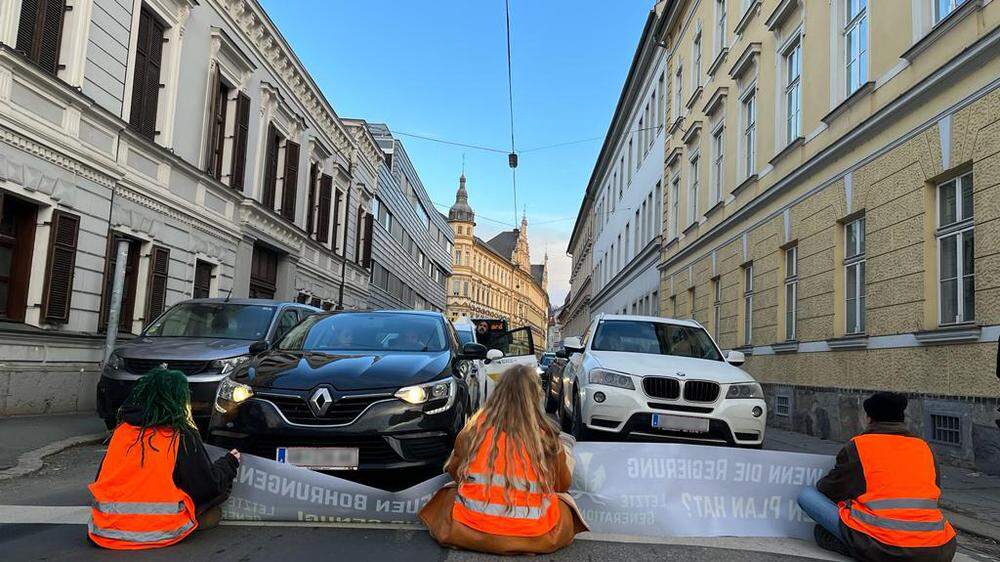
[33, 460]
[972, 526]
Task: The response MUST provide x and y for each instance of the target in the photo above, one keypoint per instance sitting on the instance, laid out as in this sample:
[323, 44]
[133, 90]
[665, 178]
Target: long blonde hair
[514, 410]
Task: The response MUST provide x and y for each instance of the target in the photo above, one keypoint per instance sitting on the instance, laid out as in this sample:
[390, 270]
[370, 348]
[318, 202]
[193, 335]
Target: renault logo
[320, 401]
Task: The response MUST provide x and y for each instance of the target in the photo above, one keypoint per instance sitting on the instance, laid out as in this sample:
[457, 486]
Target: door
[263, 273]
[17, 238]
[518, 348]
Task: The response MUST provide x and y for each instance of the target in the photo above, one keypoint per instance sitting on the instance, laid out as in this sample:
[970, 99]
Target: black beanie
[886, 407]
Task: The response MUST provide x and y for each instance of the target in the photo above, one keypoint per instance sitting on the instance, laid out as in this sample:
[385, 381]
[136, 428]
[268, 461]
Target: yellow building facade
[832, 205]
[495, 278]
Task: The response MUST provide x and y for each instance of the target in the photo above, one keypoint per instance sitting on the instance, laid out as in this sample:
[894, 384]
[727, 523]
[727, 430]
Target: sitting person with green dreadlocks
[156, 483]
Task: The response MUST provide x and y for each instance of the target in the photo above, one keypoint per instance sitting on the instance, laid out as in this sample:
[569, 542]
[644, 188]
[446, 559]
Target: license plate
[680, 423]
[319, 458]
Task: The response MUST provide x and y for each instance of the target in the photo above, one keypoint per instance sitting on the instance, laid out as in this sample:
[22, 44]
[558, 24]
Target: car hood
[297, 370]
[183, 348]
[644, 364]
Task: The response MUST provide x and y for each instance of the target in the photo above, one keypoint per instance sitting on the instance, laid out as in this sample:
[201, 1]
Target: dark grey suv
[206, 339]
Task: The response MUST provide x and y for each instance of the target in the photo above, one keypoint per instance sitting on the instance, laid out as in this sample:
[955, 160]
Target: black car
[552, 382]
[352, 390]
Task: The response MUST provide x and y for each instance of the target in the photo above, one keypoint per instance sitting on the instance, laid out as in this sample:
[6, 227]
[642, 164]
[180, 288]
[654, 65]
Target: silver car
[206, 339]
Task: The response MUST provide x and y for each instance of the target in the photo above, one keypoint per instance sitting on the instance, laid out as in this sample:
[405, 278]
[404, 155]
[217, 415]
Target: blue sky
[438, 68]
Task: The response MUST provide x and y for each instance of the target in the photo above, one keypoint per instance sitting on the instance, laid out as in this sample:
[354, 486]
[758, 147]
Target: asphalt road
[63, 480]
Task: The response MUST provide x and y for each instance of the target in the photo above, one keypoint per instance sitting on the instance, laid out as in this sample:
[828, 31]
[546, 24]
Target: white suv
[644, 376]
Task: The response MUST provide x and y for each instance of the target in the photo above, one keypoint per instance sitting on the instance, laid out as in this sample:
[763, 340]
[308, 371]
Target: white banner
[652, 489]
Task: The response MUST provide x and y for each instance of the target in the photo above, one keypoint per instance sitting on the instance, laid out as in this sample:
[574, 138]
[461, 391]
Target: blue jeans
[821, 510]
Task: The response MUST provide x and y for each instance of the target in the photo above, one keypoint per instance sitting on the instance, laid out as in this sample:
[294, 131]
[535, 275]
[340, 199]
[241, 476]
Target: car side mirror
[473, 350]
[259, 347]
[493, 355]
[572, 345]
[734, 357]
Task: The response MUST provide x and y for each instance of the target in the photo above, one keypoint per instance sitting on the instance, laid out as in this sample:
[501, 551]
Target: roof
[538, 272]
[639, 318]
[504, 243]
[260, 302]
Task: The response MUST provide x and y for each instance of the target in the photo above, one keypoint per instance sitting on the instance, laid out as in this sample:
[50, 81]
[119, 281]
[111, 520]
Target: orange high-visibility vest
[480, 502]
[900, 504]
[136, 503]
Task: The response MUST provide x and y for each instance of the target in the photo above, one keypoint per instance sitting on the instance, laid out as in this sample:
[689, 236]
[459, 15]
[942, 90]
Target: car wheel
[550, 403]
[561, 414]
[577, 428]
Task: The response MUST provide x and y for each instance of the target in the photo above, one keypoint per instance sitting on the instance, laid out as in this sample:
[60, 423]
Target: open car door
[518, 348]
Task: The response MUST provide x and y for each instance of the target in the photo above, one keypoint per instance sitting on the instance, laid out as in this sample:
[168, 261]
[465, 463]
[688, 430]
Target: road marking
[44, 514]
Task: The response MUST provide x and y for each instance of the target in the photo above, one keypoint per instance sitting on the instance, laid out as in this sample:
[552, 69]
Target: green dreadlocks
[165, 400]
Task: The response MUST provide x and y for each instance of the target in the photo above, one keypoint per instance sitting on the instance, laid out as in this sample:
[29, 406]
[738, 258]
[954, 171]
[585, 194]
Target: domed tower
[462, 220]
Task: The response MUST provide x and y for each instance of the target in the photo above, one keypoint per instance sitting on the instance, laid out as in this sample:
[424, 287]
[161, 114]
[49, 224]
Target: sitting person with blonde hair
[511, 473]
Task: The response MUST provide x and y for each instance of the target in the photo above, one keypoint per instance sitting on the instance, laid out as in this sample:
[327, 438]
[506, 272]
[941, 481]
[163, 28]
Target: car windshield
[358, 331]
[659, 338]
[466, 336]
[213, 320]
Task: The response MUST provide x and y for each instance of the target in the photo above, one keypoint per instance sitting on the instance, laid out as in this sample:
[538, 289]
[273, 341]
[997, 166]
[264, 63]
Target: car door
[518, 348]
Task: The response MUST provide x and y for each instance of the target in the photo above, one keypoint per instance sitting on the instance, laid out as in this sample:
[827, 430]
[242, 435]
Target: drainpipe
[347, 223]
[117, 289]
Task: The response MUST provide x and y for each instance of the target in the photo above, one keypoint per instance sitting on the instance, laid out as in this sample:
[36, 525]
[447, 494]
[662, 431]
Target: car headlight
[115, 362]
[230, 364]
[744, 390]
[231, 393]
[609, 378]
[440, 394]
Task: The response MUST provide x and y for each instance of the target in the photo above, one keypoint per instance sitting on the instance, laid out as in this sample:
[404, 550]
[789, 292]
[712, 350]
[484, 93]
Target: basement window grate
[946, 429]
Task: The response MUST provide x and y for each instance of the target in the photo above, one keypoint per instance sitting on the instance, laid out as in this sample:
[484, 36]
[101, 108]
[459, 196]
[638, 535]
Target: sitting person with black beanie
[880, 501]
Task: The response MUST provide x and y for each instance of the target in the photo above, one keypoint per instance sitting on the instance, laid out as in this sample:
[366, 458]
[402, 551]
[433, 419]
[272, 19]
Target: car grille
[143, 366]
[701, 391]
[425, 447]
[343, 411]
[659, 387]
[372, 449]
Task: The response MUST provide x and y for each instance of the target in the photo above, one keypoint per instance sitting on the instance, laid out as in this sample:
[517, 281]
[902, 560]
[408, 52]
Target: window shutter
[336, 224]
[359, 234]
[311, 199]
[323, 220]
[50, 35]
[241, 133]
[27, 26]
[217, 127]
[270, 168]
[369, 225]
[159, 266]
[58, 291]
[291, 182]
[146, 82]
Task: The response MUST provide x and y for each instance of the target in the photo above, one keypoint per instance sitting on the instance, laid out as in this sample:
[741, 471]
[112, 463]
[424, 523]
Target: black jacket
[208, 483]
[846, 481]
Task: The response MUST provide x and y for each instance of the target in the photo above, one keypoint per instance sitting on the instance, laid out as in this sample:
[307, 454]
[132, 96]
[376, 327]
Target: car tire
[561, 414]
[579, 431]
[550, 403]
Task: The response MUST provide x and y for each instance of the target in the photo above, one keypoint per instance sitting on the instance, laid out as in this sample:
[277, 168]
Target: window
[290, 180]
[39, 32]
[717, 306]
[696, 60]
[323, 211]
[782, 406]
[791, 290]
[854, 275]
[721, 31]
[678, 90]
[204, 273]
[630, 162]
[943, 8]
[58, 291]
[692, 302]
[946, 429]
[693, 191]
[956, 261]
[127, 310]
[856, 43]
[263, 273]
[675, 192]
[271, 155]
[747, 304]
[656, 338]
[217, 126]
[146, 77]
[673, 306]
[659, 106]
[718, 156]
[17, 236]
[793, 90]
[749, 111]
[221, 320]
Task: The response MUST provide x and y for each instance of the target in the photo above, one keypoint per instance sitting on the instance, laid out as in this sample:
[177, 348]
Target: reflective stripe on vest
[139, 536]
[499, 510]
[501, 481]
[902, 503]
[897, 524]
[139, 508]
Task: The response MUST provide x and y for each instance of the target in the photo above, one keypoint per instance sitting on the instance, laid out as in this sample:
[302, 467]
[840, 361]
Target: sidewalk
[971, 498]
[27, 439]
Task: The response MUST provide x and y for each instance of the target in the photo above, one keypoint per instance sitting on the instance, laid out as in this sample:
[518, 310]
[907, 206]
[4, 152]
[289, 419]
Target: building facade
[191, 131]
[495, 278]
[574, 316]
[412, 242]
[832, 207]
[626, 188]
